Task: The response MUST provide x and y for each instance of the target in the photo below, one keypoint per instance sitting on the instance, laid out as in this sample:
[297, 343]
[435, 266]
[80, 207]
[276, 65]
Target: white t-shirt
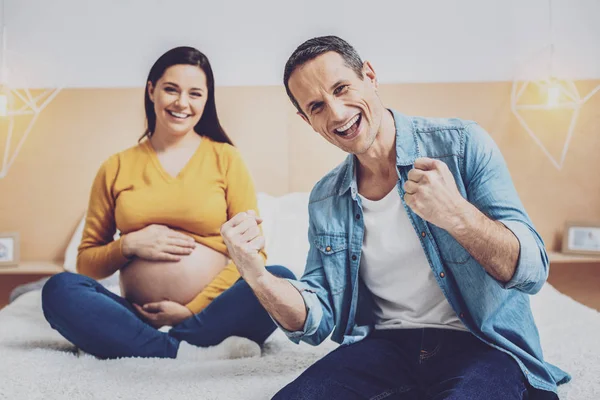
[395, 269]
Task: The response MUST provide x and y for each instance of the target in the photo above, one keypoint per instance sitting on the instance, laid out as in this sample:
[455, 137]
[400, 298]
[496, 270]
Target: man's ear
[369, 72]
[301, 114]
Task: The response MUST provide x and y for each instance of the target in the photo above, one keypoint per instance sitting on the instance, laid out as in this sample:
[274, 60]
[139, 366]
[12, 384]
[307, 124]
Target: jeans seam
[390, 392]
[428, 355]
[523, 392]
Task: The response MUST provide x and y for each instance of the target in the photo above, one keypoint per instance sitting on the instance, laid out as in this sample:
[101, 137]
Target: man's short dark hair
[313, 48]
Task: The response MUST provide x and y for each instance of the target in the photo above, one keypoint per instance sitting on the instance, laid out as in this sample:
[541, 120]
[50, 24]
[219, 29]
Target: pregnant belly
[144, 281]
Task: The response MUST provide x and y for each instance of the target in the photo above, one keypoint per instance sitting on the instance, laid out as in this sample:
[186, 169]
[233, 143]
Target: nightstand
[25, 272]
[577, 277]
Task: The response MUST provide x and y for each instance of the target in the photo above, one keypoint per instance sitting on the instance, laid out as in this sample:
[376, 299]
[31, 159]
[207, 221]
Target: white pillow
[285, 228]
[71, 252]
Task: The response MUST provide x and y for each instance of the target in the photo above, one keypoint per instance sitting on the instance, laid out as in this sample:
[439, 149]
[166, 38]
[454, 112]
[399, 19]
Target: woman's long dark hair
[209, 124]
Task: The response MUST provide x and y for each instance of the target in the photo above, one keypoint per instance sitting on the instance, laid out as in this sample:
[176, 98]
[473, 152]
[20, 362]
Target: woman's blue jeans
[107, 326]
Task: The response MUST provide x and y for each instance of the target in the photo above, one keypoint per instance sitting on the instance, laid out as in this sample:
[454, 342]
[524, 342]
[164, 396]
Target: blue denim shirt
[498, 313]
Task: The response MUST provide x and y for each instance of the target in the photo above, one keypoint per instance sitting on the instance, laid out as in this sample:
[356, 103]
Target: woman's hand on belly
[157, 243]
[163, 313]
[148, 281]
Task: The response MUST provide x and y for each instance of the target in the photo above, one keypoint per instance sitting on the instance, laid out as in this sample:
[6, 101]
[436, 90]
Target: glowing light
[553, 96]
[3, 105]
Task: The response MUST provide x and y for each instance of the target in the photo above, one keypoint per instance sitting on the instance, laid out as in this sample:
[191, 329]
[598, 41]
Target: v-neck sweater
[132, 190]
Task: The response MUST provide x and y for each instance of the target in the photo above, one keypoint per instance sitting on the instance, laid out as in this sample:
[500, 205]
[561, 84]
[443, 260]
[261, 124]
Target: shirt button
[353, 258]
[442, 274]
[423, 234]
[357, 216]
[462, 315]
[328, 248]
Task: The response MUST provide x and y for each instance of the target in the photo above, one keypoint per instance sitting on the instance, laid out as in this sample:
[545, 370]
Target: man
[421, 260]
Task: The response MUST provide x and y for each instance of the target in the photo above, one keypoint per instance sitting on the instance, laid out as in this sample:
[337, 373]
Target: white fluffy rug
[37, 363]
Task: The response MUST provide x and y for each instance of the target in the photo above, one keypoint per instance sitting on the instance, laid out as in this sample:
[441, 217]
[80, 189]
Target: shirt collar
[407, 152]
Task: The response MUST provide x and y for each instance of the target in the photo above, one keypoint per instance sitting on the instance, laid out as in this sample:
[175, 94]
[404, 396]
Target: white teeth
[178, 115]
[348, 125]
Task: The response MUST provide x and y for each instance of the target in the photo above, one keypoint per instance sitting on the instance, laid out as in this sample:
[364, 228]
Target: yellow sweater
[132, 191]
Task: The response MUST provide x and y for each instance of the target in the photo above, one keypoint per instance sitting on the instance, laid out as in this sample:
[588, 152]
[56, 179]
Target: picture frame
[9, 249]
[581, 238]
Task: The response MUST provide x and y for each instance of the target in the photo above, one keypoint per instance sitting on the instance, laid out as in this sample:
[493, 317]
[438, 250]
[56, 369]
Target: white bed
[37, 363]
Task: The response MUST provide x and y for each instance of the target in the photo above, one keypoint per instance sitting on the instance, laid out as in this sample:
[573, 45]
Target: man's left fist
[431, 193]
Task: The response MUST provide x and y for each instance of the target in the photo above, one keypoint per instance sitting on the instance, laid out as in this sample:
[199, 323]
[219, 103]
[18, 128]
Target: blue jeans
[413, 364]
[107, 326]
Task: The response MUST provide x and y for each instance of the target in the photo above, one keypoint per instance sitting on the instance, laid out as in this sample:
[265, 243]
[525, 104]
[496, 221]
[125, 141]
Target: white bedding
[37, 363]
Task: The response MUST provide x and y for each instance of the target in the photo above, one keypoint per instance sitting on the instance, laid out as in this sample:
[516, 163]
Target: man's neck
[380, 160]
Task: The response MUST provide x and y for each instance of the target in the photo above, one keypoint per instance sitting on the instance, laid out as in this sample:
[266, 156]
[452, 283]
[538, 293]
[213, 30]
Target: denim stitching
[390, 392]
[427, 355]
[324, 198]
[432, 129]
[444, 156]
[524, 393]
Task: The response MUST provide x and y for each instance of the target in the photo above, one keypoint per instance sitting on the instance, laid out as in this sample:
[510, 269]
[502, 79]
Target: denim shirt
[337, 300]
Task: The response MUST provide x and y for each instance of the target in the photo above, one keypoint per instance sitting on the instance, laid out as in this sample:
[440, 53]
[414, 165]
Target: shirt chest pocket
[333, 249]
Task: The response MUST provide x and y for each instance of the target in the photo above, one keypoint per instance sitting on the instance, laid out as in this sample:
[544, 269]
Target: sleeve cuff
[314, 312]
[532, 261]
[120, 240]
[115, 251]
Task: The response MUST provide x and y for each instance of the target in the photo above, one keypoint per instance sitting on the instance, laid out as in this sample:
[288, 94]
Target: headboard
[46, 190]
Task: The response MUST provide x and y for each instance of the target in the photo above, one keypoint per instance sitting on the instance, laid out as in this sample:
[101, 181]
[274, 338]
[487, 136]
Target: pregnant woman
[168, 196]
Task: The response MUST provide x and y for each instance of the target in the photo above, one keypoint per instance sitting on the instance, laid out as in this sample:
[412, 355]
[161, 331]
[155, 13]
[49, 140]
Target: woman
[169, 196]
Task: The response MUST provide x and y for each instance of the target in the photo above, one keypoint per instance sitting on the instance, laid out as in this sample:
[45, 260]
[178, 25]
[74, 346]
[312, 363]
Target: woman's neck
[163, 142]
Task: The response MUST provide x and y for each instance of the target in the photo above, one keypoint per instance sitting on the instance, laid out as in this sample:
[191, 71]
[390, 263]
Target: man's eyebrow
[312, 103]
[338, 83]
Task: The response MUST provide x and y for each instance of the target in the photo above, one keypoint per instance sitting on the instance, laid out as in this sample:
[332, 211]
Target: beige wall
[47, 188]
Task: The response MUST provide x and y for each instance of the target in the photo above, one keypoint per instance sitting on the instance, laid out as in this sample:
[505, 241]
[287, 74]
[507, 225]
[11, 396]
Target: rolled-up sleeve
[314, 313]
[490, 188]
[532, 266]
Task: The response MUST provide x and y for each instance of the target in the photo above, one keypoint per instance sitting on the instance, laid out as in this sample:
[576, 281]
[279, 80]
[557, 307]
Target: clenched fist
[244, 241]
[431, 193]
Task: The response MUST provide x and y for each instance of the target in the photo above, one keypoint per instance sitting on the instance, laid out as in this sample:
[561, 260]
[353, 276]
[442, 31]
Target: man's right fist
[244, 240]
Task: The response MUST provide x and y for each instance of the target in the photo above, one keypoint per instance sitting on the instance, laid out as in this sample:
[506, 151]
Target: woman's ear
[150, 89]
